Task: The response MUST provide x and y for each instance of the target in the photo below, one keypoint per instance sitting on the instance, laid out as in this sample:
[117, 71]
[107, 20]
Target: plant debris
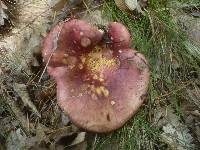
[30, 117]
[21, 90]
[131, 5]
[8, 13]
[3, 14]
[175, 133]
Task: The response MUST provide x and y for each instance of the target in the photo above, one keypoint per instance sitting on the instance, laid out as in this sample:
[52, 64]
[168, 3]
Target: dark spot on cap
[108, 117]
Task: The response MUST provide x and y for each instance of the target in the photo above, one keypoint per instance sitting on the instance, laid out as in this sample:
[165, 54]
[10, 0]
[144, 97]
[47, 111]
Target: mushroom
[99, 85]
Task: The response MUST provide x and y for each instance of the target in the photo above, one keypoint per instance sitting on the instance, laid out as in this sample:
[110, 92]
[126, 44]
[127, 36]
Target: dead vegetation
[29, 115]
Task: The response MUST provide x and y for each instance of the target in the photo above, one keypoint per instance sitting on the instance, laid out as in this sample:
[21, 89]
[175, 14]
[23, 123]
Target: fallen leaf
[57, 4]
[79, 139]
[16, 140]
[131, 5]
[175, 133]
[23, 93]
[196, 14]
[3, 15]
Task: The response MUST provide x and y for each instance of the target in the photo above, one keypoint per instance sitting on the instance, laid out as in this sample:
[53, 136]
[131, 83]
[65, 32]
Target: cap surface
[99, 88]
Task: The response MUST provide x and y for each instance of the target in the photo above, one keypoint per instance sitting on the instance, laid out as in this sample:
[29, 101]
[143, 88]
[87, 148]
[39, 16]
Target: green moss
[173, 66]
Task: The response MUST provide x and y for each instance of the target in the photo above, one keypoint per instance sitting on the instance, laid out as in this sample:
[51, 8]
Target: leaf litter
[34, 119]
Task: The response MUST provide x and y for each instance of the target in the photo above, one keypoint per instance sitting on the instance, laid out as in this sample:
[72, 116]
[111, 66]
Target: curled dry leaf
[57, 4]
[3, 14]
[19, 115]
[70, 140]
[131, 5]
[16, 140]
[66, 137]
[175, 133]
[79, 139]
[23, 93]
[31, 25]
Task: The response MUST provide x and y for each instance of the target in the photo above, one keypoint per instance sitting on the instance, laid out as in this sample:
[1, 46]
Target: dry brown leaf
[24, 95]
[175, 133]
[16, 140]
[3, 15]
[131, 5]
[79, 139]
[57, 4]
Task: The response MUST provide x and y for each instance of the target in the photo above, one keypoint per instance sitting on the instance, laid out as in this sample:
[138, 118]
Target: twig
[175, 91]
[87, 8]
[54, 48]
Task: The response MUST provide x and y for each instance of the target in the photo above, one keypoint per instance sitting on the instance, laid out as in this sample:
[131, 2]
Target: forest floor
[166, 32]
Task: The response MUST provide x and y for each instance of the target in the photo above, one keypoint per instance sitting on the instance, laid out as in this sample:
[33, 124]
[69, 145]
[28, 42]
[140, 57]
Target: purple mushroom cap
[99, 85]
